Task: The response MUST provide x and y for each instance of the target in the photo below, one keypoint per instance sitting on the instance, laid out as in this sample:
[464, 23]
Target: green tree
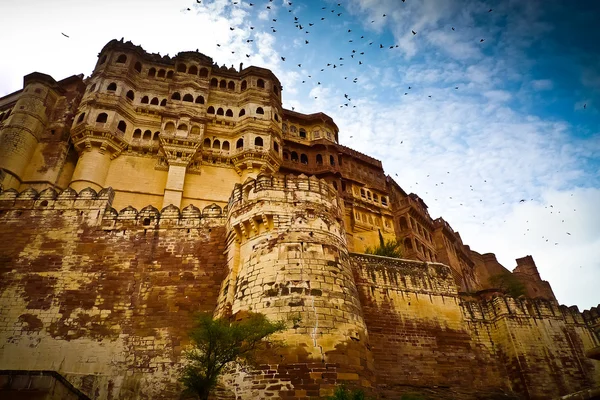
[508, 283]
[217, 343]
[388, 248]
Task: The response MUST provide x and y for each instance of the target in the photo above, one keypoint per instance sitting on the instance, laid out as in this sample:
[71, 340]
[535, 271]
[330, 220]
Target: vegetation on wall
[217, 343]
[387, 248]
[508, 283]
[343, 393]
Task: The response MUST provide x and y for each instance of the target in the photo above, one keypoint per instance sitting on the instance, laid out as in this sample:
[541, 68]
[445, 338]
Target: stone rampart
[418, 333]
[105, 298]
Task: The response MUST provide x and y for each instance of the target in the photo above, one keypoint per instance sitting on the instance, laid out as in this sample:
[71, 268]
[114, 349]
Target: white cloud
[542, 84]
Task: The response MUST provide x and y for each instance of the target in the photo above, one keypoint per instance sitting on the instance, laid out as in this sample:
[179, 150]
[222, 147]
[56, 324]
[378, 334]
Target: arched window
[145, 100]
[319, 159]
[161, 73]
[138, 66]
[206, 144]
[302, 133]
[331, 160]
[163, 102]
[244, 85]
[294, 156]
[260, 83]
[176, 96]
[182, 127]
[276, 147]
[403, 224]
[210, 110]
[335, 186]
[130, 95]
[147, 135]
[259, 110]
[102, 117]
[220, 111]
[258, 141]
[112, 87]
[181, 68]
[216, 144]
[408, 244]
[193, 70]
[152, 72]
[200, 100]
[155, 136]
[303, 159]
[229, 113]
[122, 126]
[384, 200]
[170, 75]
[239, 144]
[223, 84]
[286, 156]
[242, 113]
[137, 134]
[102, 60]
[188, 97]
[214, 82]
[276, 117]
[275, 89]
[80, 119]
[122, 59]
[231, 85]
[225, 146]
[203, 73]
[169, 127]
[284, 128]
[93, 88]
[154, 101]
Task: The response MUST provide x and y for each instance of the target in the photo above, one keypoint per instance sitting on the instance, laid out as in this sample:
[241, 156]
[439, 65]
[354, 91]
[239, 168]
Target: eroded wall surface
[542, 345]
[104, 298]
[417, 332]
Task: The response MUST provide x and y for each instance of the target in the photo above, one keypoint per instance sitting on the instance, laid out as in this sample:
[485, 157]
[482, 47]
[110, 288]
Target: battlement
[264, 186]
[13, 204]
[506, 306]
[401, 274]
[50, 199]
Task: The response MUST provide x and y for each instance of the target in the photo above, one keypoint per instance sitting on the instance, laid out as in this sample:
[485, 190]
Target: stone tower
[288, 259]
[37, 123]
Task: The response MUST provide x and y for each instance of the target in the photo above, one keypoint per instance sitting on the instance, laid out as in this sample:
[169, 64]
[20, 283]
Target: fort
[159, 187]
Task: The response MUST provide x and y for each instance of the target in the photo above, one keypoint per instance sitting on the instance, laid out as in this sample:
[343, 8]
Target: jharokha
[160, 187]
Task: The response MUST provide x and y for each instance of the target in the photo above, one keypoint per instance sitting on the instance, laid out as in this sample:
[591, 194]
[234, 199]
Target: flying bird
[414, 33]
[481, 40]
[584, 106]
[282, 58]
[68, 36]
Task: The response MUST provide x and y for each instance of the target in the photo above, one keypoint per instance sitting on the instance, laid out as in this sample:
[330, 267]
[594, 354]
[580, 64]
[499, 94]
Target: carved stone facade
[159, 187]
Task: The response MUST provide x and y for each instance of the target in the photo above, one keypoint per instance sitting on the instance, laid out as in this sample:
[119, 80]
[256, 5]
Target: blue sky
[516, 127]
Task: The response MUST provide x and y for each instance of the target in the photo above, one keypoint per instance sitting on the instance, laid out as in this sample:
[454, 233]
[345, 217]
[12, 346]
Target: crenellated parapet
[503, 306]
[170, 217]
[15, 203]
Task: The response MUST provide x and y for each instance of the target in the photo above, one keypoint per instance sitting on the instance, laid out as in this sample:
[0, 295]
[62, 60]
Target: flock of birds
[357, 57]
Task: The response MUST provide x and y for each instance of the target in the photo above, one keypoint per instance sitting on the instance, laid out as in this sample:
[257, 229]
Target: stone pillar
[179, 151]
[174, 188]
[91, 170]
